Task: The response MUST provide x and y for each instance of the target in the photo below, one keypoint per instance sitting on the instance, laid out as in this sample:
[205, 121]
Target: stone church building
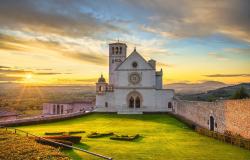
[134, 86]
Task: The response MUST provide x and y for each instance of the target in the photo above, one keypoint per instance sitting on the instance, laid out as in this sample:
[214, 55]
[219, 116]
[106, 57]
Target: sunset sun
[28, 78]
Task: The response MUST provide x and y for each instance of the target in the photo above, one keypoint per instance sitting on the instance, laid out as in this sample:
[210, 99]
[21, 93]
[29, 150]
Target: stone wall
[199, 113]
[229, 115]
[237, 116]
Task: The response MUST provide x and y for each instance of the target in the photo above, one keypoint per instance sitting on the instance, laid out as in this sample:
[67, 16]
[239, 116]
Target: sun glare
[29, 79]
[28, 76]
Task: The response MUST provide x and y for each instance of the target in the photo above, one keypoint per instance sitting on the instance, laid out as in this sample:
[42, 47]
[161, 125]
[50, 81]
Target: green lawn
[163, 138]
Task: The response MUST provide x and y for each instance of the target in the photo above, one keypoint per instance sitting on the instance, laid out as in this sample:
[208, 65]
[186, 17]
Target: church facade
[134, 86]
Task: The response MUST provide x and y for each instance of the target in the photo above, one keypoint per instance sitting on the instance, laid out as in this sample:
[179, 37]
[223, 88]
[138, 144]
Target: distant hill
[28, 100]
[193, 88]
[221, 93]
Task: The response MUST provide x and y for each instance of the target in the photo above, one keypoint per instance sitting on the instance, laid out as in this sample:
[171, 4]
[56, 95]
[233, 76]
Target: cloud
[44, 69]
[160, 32]
[188, 18]
[52, 17]
[243, 51]
[168, 18]
[4, 78]
[87, 57]
[228, 75]
[49, 73]
[12, 43]
[92, 80]
[4, 67]
[217, 56]
[18, 44]
[77, 81]
[14, 71]
[22, 72]
[161, 64]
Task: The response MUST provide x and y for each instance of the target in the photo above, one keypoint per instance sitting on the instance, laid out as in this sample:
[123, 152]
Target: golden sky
[59, 43]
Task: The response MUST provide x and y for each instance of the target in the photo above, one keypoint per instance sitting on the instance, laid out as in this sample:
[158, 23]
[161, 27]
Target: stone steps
[130, 112]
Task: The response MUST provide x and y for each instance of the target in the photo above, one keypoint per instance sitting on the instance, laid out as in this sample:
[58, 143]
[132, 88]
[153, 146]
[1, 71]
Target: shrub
[76, 132]
[245, 143]
[54, 133]
[73, 139]
[241, 93]
[125, 137]
[45, 142]
[97, 135]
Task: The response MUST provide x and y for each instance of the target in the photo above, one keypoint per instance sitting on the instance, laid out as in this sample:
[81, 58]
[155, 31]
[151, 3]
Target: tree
[240, 94]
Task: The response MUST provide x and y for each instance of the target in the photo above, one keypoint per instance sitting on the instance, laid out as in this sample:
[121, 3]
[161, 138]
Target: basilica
[134, 85]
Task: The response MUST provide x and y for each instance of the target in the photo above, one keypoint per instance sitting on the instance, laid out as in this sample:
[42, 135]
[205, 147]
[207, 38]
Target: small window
[61, 109]
[113, 50]
[134, 64]
[54, 109]
[113, 60]
[169, 105]
[106, 104]
[58, 109]
[215, 125]
[120, 50]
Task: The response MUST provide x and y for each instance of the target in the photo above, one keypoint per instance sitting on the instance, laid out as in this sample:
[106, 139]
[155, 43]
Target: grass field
[163, 138]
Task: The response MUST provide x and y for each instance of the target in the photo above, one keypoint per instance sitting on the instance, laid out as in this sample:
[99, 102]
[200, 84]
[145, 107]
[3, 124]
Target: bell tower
[117, 54]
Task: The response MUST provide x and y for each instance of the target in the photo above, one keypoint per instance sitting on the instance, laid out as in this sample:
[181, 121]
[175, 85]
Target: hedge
[45, 142]
[54, 133]
[97, 135]
[125, 137]
[229, 137]
[73, 139]
[76, 132]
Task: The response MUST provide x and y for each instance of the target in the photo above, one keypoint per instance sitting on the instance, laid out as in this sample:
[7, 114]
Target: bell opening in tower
[117, 54]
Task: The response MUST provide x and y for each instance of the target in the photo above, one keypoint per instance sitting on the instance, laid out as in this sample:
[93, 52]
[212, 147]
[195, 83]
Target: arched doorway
[131, 102]
[137, 102]
[211, 120]
[134, 100]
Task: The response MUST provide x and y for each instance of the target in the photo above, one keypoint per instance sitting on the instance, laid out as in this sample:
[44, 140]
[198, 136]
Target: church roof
[132, 54]
[119, 43]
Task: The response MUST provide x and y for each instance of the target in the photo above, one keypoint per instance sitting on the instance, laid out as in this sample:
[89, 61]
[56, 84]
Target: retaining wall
[229, 115]
[41, 119]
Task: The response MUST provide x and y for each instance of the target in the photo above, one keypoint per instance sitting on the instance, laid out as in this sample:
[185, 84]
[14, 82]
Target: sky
[57, 42]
